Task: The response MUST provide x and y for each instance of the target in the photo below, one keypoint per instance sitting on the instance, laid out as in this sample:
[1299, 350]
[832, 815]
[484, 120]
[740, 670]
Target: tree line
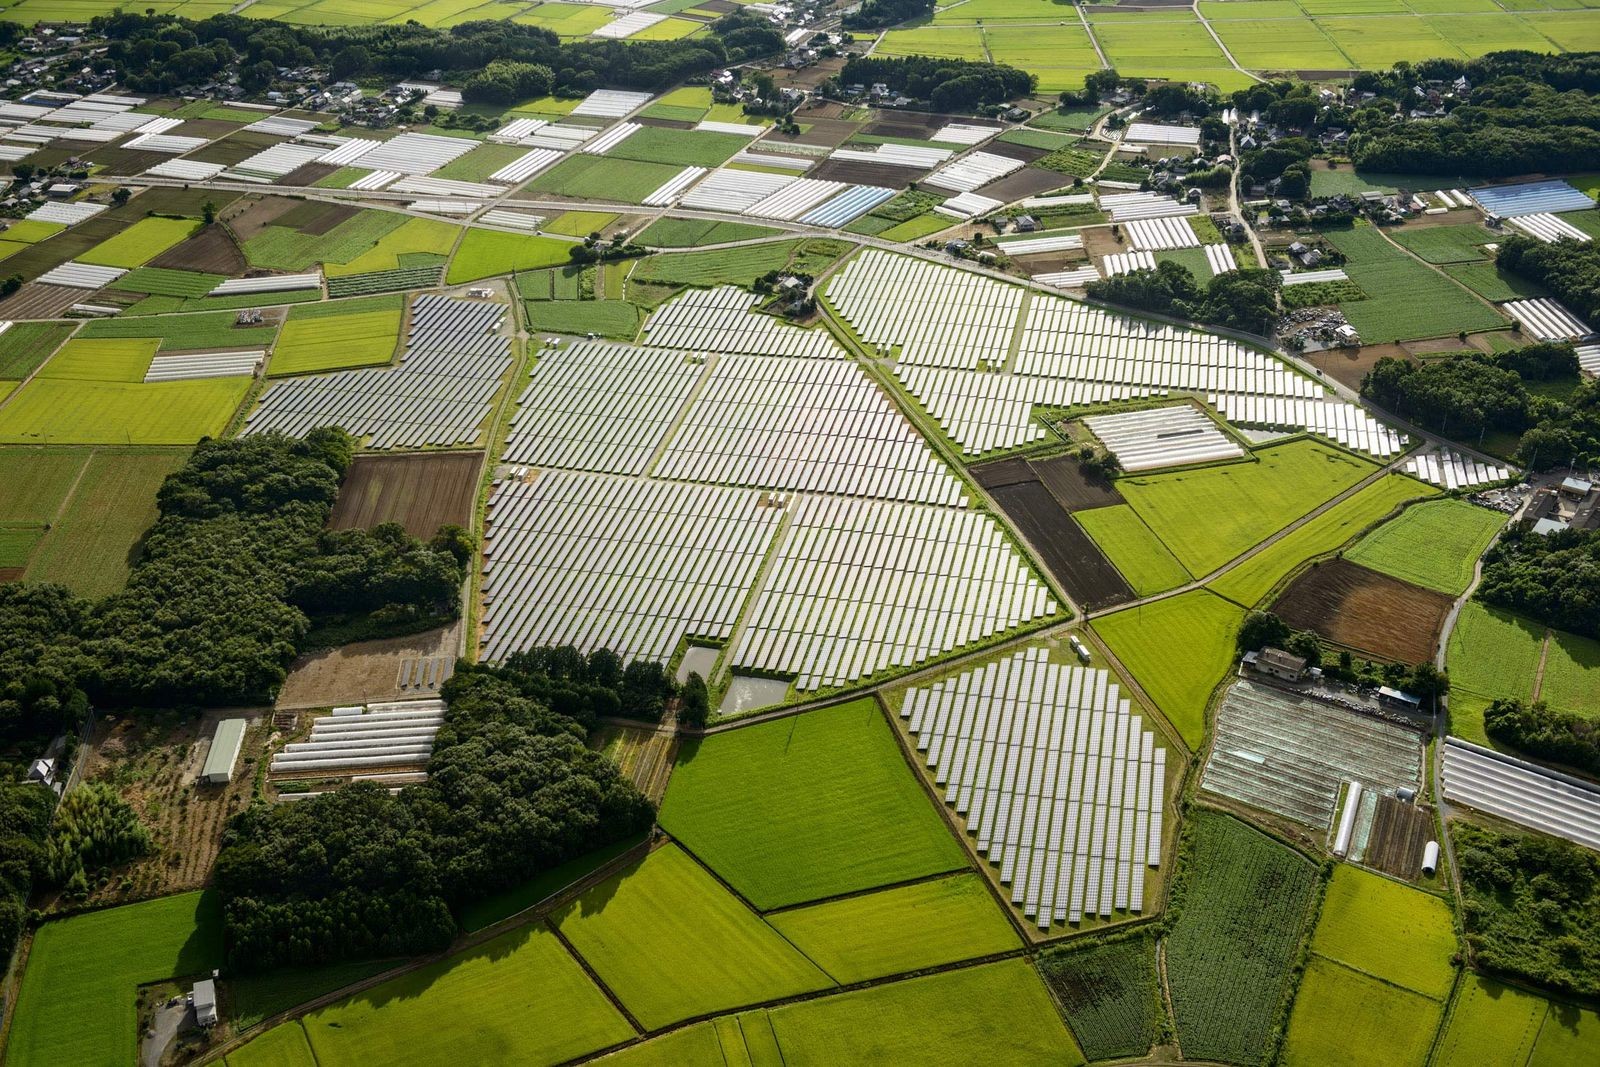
[946, 84]
[1238, 299]
[1545, 733]
[512, 791]
[1552, 578]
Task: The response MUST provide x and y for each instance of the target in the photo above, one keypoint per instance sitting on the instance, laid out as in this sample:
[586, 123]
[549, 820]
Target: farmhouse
[224, 754]
[1277, 663]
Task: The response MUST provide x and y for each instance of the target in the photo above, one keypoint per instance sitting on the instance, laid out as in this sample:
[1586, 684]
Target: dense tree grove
[1554, 578]
[876, 14]
[947, 84]
[25, 809]
[1531, 907]
[41, 661]
[160, 53]
[1566, 268]
[1238, 299]
[512, 791]
[1540, 731]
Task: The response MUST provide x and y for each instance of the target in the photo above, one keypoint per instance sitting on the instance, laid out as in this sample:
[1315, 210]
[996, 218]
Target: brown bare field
[664, 124]
[1015, 151]
[810, 77]
[1067, 552]
[830, 133]
[212, 251]
[1029, 181]
[422, 492]
[234, 149]
[1062, 476]
[10, 574]
[35, 301]
[844, 170]
[170, 200]
[126, 161]
[368, 670]
[310, 174]
[1099, 242]
[251, 215]
[153, 762]
[918, 125]
[1348, 366]
[1400, 831]
[644, 754]
[315, 217]
[1367, 611]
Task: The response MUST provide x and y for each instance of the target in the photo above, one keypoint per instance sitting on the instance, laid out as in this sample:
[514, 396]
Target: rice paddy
[486, 253]
[70, 411]
[1492, 654]
[1133, 548]
[1433, 544]
[351, 333]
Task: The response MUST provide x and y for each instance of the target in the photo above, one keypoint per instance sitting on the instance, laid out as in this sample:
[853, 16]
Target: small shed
[1577, 488]
[205, 998]
[1281, 664]
[1395, 698]
[224, 754]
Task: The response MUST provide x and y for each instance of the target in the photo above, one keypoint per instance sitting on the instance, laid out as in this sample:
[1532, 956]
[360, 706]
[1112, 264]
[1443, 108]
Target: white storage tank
[1430, 858]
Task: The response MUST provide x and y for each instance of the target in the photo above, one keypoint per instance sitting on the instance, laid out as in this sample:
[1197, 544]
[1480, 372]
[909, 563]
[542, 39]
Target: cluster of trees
[1554, 578]
[25, 809]
[1287, 159]
[512, 791]
[94, 829]
[947, 84]
[1566, 268]
[589, 688]
[1263, 629]
[876, 14]
[383, 578]
[1543, 732]
[505, 81]
[161, 53]
[1531, 907]
[1239, 299]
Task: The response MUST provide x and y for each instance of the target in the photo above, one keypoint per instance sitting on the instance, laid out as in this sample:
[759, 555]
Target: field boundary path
[1252, 75]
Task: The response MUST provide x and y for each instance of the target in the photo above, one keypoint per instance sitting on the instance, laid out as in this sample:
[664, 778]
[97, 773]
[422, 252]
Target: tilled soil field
[1070, 555]
[422, 492]
[1364, 610]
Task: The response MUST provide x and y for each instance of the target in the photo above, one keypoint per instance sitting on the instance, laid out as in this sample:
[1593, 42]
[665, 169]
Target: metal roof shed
[224, 754]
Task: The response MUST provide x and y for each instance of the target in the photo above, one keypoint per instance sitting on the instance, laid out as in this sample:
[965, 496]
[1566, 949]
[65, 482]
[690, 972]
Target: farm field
[178, 333]
[1571, 673]
[88, 546]
[1341, 1016]
[1432, 544]
[606, 318]
[1492, 654]
[1277, 44]
[680, 148]
[1567, 1036]
[1492, 283]
[672, 943]
[415, 237]
[300, 238]
[1242, 904]
[895, 931]
[1361, 609]
[1461, 243]
[255, 997]
[51, 410]
[487, 993]
[1387, 929]
[1133, 548]
[960, 1016]
[96, 360]
[1063, 547]
[1177, 649]
[141, 242]
[1060, 55]
[27, 345]
[486, 253]
[39, 483]
[1210, 515]
[807, 807]
[1405, 300]
[349, 333]
[1257, 576]
[1110, 994]
[1490, 1023]
[604, 178]
[1172, 46]
[667, 232]
[729, 266]
[77, 1000]
[421, 492]
[579, 223]
[954, 43]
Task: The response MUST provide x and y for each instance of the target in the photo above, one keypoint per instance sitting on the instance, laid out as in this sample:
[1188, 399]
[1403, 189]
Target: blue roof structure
[1528, 198]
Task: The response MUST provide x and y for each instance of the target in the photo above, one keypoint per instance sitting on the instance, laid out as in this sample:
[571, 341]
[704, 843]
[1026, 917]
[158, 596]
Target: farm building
[205, 991]
[1277, 663]
[224, 754]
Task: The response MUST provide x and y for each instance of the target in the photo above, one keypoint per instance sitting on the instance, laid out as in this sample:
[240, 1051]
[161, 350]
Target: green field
[1211, 515]
[179, 333]
[284, 247]
[690, 233]
[88, 547]
[489, 994]
[1257, 576]
[1433, 544]
[806, 807]
[607, 318]
[486, 253]
[1242, 902]
[1492, 283]
[101, 360]
[1174, 45]
[671, 943]
[414, 238]
[478, 164]
[955, 43]
[27, 345]
[282, 1046]
[318, 338]
[999, 1013]
[1405, 299]
[1132, 548]
[604, 178]
[255, 997]
[1059, 55]
[1492, 654]
[60, 411]
[1110, 993]
[1490, 1023]
[1568, 1035]
[490, 910]
[1342, 1016]
[723, 266]
[159, 281]
[1177, 649]
[37, 482]
[1462, 243]
[141, 242]
[681, 148]
[1571, 674]
[579, 223]
[77, 1001]
[1279, 44]
[1388, 930]
[692, 1044]
[896, 931]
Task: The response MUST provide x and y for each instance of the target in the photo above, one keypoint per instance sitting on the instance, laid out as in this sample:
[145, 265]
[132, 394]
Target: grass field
[282, 247]
[1568, 1035]
[999, 1013]
[490, 910]
[178, 333]
[807, 807]
[607, 318]
[960, 42]
[1257, 576]
[672, 943]
[77, 1001]
[486, 253]
[579, 223]
[681, 148]
[604, 178]
[1174, 46]
[282, 1046]
[1342, 1016]
[692, 1044]
[141, 242]
[900, 930]
[101, 360]
[1280, 44]
[690, 233]
[88, 546]
[1571, 674]
[478, 164]
[1132, 548]
[1461, 243]
[1432, 544]
[159, 281]
[1210, 515]
[490, 994]
[318, 338]
[1177, 649]
[1388, 930]
[1405, 300]
[726, 266]
[1059, 55]
[59, 411]
[1492, 283]
[1242, 903]
[1490, 1023]
[27, 345]
[255, 997]
[1110, 994]
[415, 237]
[1491, 654]
[38, 481]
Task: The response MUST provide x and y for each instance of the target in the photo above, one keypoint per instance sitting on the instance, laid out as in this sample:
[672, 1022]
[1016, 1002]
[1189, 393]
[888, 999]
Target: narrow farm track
[1252, 75]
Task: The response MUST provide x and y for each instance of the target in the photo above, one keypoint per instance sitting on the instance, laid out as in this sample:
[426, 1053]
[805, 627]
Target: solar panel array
[1449, 469]
[1054, 776]
[439, 394]
[722, 320]
[1528, 795]
[622, 563]
[938, 316]
[1162, 437]
[1288, 754]
[861, 586]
